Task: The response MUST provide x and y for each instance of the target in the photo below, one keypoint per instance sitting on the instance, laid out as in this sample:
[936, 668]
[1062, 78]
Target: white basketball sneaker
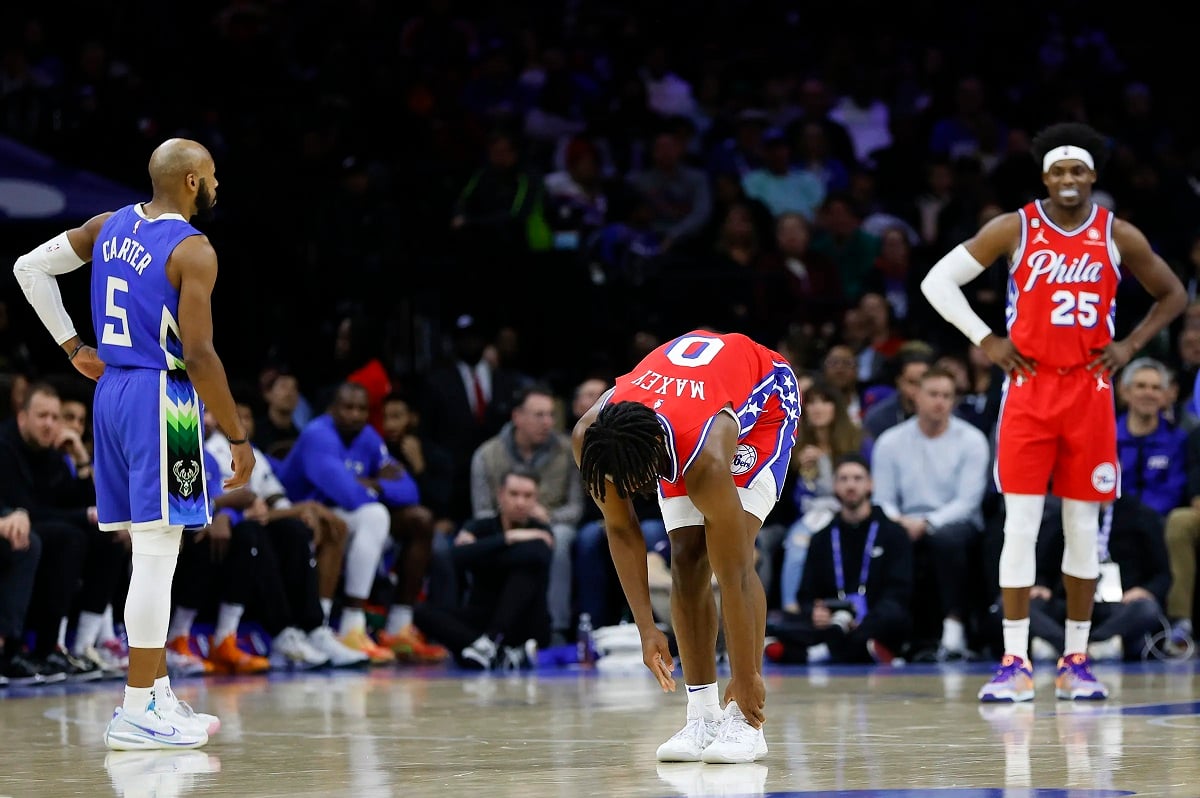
[687, 744]
[737, 742]
[340, 655]
[149, 730]
[183, 715]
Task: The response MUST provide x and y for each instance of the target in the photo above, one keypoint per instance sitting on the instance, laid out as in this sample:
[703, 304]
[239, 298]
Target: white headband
[1068, 152]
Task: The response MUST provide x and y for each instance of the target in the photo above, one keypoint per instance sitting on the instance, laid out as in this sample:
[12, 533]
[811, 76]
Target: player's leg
[369, 525]
[1025, 449]
[694, 622]
[738, 741]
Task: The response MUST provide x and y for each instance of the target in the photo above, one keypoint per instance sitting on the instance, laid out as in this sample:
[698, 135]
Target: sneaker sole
[121, 742]
[1070, 695]
[1015, 698]
[711, 757]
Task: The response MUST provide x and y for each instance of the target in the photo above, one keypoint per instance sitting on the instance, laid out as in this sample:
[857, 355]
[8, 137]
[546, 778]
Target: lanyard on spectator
[1105, 532]
[838, 571]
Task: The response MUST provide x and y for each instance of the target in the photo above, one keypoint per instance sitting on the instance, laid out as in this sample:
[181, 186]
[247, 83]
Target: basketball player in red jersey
[707, 420]
[1057, 425]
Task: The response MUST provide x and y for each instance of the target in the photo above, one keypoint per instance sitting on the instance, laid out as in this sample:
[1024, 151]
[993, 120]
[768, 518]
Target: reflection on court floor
[833, 733]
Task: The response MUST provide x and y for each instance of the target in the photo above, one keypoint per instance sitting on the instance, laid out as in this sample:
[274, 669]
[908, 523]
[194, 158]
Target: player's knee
[1183, 524]
[158, 542]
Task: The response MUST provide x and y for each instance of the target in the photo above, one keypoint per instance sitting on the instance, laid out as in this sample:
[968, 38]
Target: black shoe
[21, 671]
[76, 669]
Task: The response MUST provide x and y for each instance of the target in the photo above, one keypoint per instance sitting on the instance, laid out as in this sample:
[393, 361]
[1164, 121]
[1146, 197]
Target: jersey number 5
[1071, 309]
[115, 315]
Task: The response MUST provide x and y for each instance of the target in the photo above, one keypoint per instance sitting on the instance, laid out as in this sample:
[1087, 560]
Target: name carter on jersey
[1056, 269]
[130, 251]
[662, 385]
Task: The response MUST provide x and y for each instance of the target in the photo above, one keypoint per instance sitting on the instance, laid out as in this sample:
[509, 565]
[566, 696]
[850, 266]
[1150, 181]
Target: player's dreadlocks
[1071, 133]
[625, 444]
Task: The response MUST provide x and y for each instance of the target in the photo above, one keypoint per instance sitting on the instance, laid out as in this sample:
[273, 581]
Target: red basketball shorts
[1058, 432]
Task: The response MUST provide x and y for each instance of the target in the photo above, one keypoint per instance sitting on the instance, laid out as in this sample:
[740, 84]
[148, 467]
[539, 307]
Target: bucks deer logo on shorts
[743, 459]
[186, 472]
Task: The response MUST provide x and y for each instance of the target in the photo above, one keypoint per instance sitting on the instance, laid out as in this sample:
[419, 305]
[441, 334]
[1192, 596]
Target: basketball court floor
[832, 732]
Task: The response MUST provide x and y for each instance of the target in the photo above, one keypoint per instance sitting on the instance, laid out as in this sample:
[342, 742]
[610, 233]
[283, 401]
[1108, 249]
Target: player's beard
[204, 203]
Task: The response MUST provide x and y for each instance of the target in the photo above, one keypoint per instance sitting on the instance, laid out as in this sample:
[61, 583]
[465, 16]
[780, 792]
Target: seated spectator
[839, 370]
[531, 442]
[909, 368]
[79, 561]
[884, 338]
[303, 546]
[1152, 451]
[841, 238]
[20, 550]
[930, 473]
[429, 463]
[852, 603]
[1183, 542]
[341, 462]
[576, 197]
[1130, 594]
[677, 197]
[782, 186]
[276, 429]
[825, 434]
[505, 559]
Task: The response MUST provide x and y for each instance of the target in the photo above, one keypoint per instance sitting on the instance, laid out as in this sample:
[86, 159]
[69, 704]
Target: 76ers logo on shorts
[1104, 477]
[743, 459]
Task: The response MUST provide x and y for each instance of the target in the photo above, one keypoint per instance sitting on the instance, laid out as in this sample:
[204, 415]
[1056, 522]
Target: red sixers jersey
[688, 381]
[1062, 288]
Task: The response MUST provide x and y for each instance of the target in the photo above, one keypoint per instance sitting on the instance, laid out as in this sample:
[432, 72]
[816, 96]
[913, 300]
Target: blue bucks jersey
[135, 309]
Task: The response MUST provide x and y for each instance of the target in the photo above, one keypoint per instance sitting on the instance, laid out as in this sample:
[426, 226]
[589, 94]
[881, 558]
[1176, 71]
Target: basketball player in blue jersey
[152, 282]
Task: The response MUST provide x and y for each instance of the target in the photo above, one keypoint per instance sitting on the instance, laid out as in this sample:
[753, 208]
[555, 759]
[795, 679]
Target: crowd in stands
[443, 233]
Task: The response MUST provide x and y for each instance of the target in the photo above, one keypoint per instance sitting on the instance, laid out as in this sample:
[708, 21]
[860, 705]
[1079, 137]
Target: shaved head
[172, 160]
[183, 176]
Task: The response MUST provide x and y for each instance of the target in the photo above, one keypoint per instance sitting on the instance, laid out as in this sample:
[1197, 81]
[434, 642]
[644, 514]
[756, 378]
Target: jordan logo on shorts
[186, 472]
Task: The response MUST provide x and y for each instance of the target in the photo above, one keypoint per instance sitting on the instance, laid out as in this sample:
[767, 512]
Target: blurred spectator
[825, 433]
[1152, 451]
[463, 400]
[20, 550]
[576, 198]
[929, 474]
[276, 429]
[852, 603]
[677, 197]
[1183, 543]
[782, 186]
[505, 558]
[840, 237]
[908, 368]
[531, 443]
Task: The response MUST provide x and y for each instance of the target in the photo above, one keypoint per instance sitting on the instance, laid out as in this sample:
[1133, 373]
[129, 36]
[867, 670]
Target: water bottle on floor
[583, 640]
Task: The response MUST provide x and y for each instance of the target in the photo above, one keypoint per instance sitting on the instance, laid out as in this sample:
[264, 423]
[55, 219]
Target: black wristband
[75, 351]
[238, 442]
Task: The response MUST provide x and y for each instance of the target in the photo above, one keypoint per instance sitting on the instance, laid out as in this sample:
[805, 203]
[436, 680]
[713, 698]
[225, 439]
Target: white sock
[326, 609]
[107, 630]
[819, 653]
[181, 623]
[354, 619]
[1016, 638]
[87, 630]
[1077, 637]
[953, 637]
[704, 700]
[228, 618]
[399, 617]
[164, 696]
[137, 699]
[62, 632]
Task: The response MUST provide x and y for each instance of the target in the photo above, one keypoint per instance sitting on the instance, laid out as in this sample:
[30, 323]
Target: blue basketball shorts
[149, 465]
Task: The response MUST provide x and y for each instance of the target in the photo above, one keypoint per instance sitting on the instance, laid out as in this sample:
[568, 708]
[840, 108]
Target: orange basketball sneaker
[226, 657]
[410, 645]
[184, 660]
[359, 640]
